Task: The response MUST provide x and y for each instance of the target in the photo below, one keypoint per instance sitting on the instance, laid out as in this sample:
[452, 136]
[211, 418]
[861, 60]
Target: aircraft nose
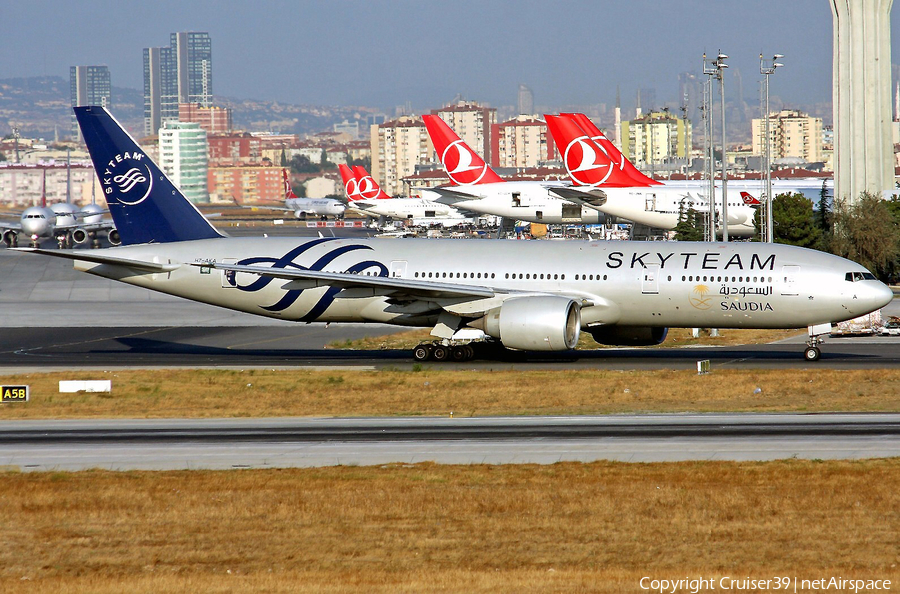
[881, 295]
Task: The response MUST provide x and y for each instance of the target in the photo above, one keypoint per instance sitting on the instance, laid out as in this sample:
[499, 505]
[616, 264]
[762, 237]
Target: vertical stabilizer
[145, 206]
[461, 163]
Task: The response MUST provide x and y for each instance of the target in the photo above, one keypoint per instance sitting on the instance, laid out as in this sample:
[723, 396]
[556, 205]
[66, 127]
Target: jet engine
[79, 236]
[539, 323]
[628, 335]
[113, 237]
[11, 239]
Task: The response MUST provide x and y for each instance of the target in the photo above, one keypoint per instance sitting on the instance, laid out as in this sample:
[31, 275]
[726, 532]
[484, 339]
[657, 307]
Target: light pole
[709, 70]
[766, 68]
[720, 65]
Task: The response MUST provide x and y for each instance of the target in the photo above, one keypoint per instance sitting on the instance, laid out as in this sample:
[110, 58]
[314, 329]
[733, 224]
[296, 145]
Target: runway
[278, 443]
[55, 318]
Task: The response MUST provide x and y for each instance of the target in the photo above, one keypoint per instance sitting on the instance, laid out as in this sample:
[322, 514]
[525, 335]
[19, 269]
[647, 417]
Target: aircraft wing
[451, 197]
[102, 225]
[9, 225]
[88, 256]
[590, 197]
[382, 285]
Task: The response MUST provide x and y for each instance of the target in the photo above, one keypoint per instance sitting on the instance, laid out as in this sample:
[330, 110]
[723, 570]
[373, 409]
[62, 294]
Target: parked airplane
[305, 207]
[62, 221]
[367, 197]
[590, 165]
[478, 188]
[521, 295]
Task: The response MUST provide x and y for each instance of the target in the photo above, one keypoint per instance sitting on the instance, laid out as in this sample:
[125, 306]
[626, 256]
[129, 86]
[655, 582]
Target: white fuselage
[522, 201]
[406, 208]
[319, 207]
[663, 284]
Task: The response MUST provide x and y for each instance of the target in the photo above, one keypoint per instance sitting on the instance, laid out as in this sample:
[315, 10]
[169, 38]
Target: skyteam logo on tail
[583, 163]
[459, 161]
[127, 178]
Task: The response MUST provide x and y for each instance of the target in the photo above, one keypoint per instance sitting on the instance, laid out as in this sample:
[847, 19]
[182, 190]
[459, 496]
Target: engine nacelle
[79, 236]
[539, 323]
[11, 238]
[628, 335]
[113, 237]
[300, 214]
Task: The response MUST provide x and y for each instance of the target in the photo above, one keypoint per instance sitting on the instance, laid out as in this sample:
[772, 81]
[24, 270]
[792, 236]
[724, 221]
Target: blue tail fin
[145, 206]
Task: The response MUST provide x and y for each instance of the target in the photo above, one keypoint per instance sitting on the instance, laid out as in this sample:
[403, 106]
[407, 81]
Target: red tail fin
[351, 186]
[587, 163]
[288, 190]
[461, 163]
[749, 200]
[624, 165]
[368, 187]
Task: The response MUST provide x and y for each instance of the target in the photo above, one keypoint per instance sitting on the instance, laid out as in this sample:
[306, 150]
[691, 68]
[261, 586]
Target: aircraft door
[789, 277]
[398, 268]
[650, 202]
[650, 280]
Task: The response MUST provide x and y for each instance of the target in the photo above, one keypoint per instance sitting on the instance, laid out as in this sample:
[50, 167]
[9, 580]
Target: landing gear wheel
[440, 353]
[422, 352]
[812, 354]
[459, 353]
[470, 352]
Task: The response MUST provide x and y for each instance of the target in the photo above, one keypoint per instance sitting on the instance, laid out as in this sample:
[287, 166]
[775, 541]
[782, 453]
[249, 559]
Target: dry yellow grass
[435, 391]
[567, 527]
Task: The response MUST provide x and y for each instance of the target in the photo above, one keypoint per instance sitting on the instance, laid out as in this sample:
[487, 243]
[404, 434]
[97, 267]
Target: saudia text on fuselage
[707, 261]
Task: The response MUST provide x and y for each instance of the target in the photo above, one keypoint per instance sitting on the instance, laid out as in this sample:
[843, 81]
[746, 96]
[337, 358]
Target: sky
[386, 53]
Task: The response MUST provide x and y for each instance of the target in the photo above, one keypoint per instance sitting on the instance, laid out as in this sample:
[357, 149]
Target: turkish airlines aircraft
[478, 188]
[367, 197]
[521, 295]
[597, 166]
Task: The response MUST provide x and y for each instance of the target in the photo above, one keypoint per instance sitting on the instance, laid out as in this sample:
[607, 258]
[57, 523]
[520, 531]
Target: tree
[794, 222]
[302, 164]
[690, 225]
[868, 232]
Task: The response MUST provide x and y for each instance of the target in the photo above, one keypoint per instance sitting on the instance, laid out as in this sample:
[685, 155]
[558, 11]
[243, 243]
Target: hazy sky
[385, 53]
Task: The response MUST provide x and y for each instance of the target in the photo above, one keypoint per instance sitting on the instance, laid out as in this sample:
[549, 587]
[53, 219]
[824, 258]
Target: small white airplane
[366, 196]
[62, 221]
[531, 296]
[303, 208]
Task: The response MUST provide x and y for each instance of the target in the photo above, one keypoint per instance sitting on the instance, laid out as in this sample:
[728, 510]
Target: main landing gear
[436, 351]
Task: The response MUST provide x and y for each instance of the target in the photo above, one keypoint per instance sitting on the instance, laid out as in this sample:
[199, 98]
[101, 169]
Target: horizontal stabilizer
[92, 256]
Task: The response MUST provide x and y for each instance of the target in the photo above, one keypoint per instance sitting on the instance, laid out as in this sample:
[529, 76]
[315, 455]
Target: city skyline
[384, 54]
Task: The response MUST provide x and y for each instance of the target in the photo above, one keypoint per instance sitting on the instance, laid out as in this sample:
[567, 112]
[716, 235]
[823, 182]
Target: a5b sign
[13, 393]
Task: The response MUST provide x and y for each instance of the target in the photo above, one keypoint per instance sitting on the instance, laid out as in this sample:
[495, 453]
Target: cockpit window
[858, 276]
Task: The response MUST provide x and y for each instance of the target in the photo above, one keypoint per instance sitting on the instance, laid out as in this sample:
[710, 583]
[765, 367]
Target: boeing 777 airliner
[524, 295]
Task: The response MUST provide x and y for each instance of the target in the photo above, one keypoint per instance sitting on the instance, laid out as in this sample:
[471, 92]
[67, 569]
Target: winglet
[145, 206]
[461, 163]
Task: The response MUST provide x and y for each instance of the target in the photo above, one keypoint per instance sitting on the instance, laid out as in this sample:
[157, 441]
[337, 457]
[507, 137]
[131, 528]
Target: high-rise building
[89, 85]
[472, 123]
[792, 135]
[180, 73]
[215, 120]
[397, 147]
[184, 157]
[521, 142]
[656, 137]
[526, 101]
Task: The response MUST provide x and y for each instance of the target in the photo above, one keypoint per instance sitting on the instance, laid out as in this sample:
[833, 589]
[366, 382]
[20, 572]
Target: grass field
[567, 527]
[437, 391]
